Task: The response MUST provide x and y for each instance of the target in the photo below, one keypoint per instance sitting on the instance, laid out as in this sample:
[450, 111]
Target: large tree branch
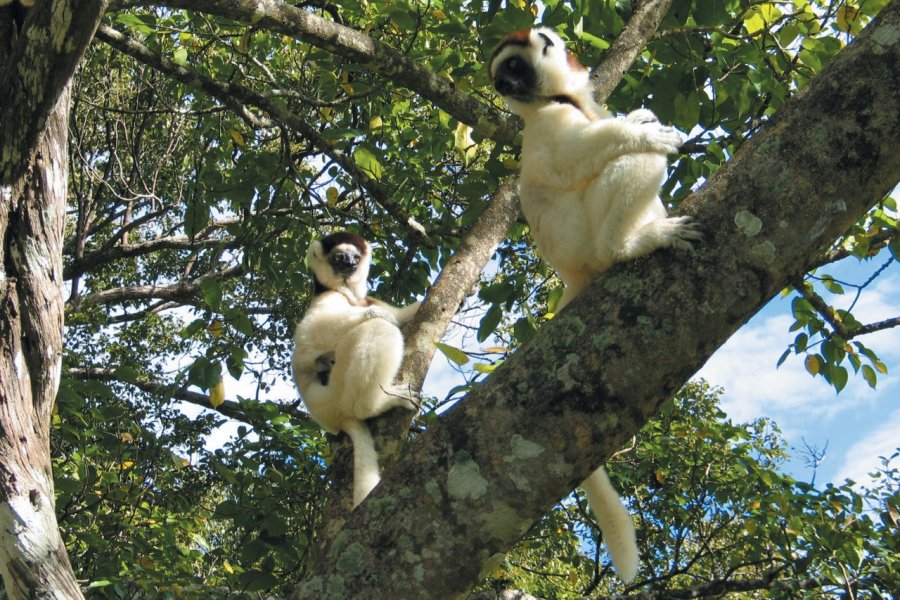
[178, 292]
[35, 70]
[597, 372]
[229, 408]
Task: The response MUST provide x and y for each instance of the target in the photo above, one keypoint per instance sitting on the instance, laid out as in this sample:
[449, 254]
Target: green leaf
[489, 322]
[497, 293]
[832, 286]
[211, 290]
[524, 329]
[144, 24]
[869, 375]
[368, 162]
[180, 56]
[453, 353]
[839, 378]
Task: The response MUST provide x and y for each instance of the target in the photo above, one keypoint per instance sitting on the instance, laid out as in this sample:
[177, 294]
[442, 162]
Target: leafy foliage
[207, 154]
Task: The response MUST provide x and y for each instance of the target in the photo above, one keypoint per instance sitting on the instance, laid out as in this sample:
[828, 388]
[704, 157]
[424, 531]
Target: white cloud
[862, 457]
[745, 367]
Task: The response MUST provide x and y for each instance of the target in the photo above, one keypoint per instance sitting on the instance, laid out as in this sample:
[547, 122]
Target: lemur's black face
[344, 252]
[344, 259]
[515, 77]
[513, 63]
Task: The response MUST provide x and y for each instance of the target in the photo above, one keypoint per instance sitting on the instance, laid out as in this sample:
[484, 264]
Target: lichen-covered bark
[471, 485]
[37, 63]
[37, 66]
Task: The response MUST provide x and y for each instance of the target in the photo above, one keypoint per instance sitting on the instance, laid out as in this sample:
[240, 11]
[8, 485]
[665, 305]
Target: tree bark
[38, 63]
[473, 484]
[33, 559]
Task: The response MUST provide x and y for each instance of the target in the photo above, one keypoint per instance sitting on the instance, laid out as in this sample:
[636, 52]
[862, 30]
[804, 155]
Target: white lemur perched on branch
[589, 190]
[589, 183]
[347, 351]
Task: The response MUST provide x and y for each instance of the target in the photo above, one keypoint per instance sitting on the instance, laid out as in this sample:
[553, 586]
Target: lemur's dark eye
[514, 63]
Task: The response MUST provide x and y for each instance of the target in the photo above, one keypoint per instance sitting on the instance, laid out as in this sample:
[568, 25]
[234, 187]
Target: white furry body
[589, 190]
[364, 337]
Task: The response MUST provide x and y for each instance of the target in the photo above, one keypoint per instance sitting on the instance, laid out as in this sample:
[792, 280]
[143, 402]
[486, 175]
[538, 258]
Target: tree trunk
[38, 55]
[473, 484]
[33, 559]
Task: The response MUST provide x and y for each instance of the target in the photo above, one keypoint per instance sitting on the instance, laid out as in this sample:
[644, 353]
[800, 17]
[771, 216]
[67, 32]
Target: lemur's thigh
[366, 361]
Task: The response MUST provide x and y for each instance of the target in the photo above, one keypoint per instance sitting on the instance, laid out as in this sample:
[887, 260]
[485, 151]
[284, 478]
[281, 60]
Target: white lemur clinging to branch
[347, 351]
[589, 184]
[589, 190]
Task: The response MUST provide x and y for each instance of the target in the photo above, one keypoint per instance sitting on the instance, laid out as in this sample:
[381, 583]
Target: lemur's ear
[548, 43]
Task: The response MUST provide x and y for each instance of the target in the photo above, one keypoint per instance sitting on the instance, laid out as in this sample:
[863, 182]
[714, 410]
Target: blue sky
[859, 424]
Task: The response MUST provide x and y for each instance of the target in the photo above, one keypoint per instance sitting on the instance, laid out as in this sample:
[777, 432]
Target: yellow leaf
[331, 196]
[438, 14]
[127, 464]
[462, 141]
[760, 17]
[837, 505]
[217, 394]
[237, 138]
[375, 123]
[848, 18]
[573, 577]
[660, 476]
[215, 327]
[453, 353]
[126, 437]
[510, 163]
[484, 367]
[812, 364]
[326, 112]
[753, 505]
[227, 566]
[496, 350]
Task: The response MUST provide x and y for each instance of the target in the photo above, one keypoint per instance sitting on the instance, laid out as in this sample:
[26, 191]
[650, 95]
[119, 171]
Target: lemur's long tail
[615, 523]
[365, 460]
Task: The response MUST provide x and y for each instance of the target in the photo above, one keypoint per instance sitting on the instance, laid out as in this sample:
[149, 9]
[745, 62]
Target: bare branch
[179, 292]
[229, 408]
